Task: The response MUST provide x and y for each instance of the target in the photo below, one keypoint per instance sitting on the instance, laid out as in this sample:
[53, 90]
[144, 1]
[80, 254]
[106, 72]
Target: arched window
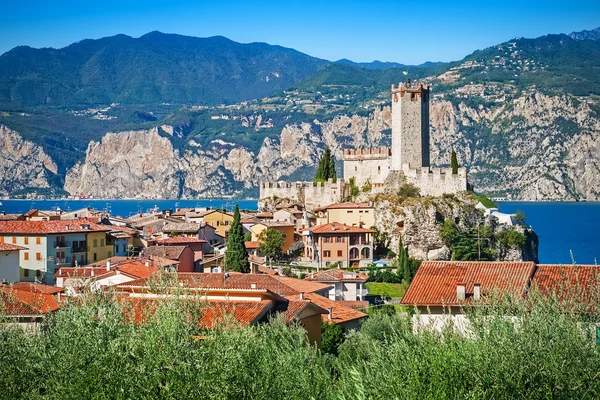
[365, 253]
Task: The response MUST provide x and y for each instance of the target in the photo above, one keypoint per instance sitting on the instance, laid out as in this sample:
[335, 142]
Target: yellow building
[219, 220]
[99, 246]
[284, 227]
[352, 214]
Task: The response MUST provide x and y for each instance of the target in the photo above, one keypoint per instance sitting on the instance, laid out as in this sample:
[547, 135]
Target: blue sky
[408, 32]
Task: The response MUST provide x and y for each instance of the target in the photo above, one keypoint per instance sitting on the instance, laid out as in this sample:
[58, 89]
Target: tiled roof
[266, 270]
[10, 217]
[49, 227]
[279, 285]
[182, 211]
[274, 224]
[336, 227]
[354, 303]
[435, 281]
[11, 247]
[136, 269]
[340, 313]
[182, 227]
[132, 267]
[15, 302]
[180, 239]
[336, 275]
[170, 252]
[575, 282]
[251, 245]
[304, 286]
[264, 215]
[37, 287]
[243, 312]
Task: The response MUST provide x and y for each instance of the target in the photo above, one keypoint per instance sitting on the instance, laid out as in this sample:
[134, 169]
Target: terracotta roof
[435, 281]
[304, 286]
[340, 313]
[266, 270]
[354, 303]
[336, 227]
[49, 227]
[264, 215]
[296, 307]
[136, 269]
[347, 205]
[243, 312]
[274, 224]
[37, 287]
[251, 245]
[180, 239]
[10, 217]
[279, 285]
[132, 267]
[22, 302]
[336, 274]
[11, 247]
[576, 283]
[182, 211]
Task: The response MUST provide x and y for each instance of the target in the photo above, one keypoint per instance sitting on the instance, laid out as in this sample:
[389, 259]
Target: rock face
[418, 222]
[23, 164]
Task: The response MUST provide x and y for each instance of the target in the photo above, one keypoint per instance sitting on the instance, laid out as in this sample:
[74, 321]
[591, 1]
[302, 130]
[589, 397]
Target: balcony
[79, 248]
[362, 292]
[60, 244]
[62, 262]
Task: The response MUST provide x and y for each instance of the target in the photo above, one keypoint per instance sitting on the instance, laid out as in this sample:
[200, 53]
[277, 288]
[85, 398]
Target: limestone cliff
[23, 164]
[418, 221]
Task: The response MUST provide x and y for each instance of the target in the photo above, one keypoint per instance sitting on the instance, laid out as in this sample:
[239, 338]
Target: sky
[401, 31]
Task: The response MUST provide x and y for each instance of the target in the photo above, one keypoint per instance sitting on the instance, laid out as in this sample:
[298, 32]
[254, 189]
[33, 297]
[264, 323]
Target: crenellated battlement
[311, 194]
[377, 153]
[415, 91]
[435, 181]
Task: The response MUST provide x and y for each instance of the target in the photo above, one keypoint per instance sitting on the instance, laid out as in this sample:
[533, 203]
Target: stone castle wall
[436, 181]
[311, 195]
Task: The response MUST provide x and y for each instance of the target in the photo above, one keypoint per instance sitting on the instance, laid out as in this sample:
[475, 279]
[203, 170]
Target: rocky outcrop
[418, 222]
[23, 164]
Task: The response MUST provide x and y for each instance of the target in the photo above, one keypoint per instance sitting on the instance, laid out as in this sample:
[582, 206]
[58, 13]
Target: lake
[561, 227]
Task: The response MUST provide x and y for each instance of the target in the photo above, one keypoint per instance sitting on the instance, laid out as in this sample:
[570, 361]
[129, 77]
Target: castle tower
[410, 125]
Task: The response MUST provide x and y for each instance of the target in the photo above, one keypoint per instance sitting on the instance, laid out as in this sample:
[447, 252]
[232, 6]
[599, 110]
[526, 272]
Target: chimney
[477, 291]
[108, 264]
[301, 295]
[460, 292]
[147, 263]
[330, 315]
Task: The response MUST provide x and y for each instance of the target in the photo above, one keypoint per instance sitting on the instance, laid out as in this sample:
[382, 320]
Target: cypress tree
[236, 257]
[326, 168]
[332, 174]
[454, 162]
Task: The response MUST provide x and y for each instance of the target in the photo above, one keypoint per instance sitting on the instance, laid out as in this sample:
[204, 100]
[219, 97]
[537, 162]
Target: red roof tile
[180, 239]
[340, 313]
[11, 247]
[435, 281]
[22, 302]
[49, 227]
[575, 282]
[251, 245]
[37, 287]
[336, 274]
[336, 227]
[347, 205]
[354, 303]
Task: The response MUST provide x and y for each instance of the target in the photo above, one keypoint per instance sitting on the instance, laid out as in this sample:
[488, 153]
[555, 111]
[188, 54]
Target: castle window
[355, 168]
[379, 169]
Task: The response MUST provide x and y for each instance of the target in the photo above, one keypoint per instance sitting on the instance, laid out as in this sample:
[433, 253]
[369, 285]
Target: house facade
[9, 262]
[345, 285]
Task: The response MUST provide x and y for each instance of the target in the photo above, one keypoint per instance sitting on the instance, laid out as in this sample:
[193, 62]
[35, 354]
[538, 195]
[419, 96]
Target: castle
[385, 168]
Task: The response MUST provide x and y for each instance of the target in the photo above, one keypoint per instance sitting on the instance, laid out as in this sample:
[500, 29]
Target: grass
[389, 289]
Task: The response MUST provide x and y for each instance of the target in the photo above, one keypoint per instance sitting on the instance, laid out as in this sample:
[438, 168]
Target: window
[355, 168]
[101, 242]
[327, 239]
[218, 223]
[26, 239]
[25, 272]
[38, 273]
[226, 223]
[38, 240]
[95, 257]
[1, 239]
[26, 256]
[124, 248]
[38, 256]
[349, 211]
[95, 242]
[340, 239]
[14, 240]
[81, 260]
[109, 254]
[339, 253]
[149, 229]
[327, 253]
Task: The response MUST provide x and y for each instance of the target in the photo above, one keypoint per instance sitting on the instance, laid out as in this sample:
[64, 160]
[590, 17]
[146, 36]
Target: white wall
[9, 266]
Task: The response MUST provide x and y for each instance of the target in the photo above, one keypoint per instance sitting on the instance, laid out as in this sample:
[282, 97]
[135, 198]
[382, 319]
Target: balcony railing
[62, 243]
[362, 292]
[356, 242]
[76, 248]
[62, 262]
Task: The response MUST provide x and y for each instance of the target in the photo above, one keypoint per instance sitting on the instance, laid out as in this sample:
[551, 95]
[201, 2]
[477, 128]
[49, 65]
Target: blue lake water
[561, 227]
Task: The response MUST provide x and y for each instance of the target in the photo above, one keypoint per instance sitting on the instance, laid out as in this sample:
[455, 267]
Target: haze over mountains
[486, 104]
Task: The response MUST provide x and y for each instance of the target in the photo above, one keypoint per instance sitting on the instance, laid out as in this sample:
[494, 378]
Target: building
[54, 244]
[346, 245]
[184, 254]
[406, 161]
[27, 306]
[353, 214]
[100, 245]
[286, 228]
[218, 219]
[345, 285]
[9, 262]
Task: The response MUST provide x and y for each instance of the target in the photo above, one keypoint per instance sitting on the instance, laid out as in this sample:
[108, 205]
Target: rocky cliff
[23, 164]
[419, 221]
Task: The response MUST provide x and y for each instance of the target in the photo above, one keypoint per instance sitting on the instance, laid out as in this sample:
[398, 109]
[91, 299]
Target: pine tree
[236, 257]
[454, 162]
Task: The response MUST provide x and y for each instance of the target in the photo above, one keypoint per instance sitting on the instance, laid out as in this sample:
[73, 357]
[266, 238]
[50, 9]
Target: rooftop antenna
[572, 257]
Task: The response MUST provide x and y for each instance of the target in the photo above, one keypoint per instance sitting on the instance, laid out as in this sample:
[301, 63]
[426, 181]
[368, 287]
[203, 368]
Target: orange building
[349, 246]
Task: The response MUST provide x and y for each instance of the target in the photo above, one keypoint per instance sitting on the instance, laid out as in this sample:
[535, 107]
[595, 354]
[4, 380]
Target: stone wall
[436, 181]
[367, 165]
[311, 195]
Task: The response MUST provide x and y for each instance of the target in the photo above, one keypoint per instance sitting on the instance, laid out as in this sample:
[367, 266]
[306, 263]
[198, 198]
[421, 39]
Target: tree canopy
[326, 168]
[271, 242]
[236, 257]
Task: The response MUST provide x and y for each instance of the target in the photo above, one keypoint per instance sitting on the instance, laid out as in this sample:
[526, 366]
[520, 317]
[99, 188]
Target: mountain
[152, 69]
[386, 64]
[594, 34]
[523, 116]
